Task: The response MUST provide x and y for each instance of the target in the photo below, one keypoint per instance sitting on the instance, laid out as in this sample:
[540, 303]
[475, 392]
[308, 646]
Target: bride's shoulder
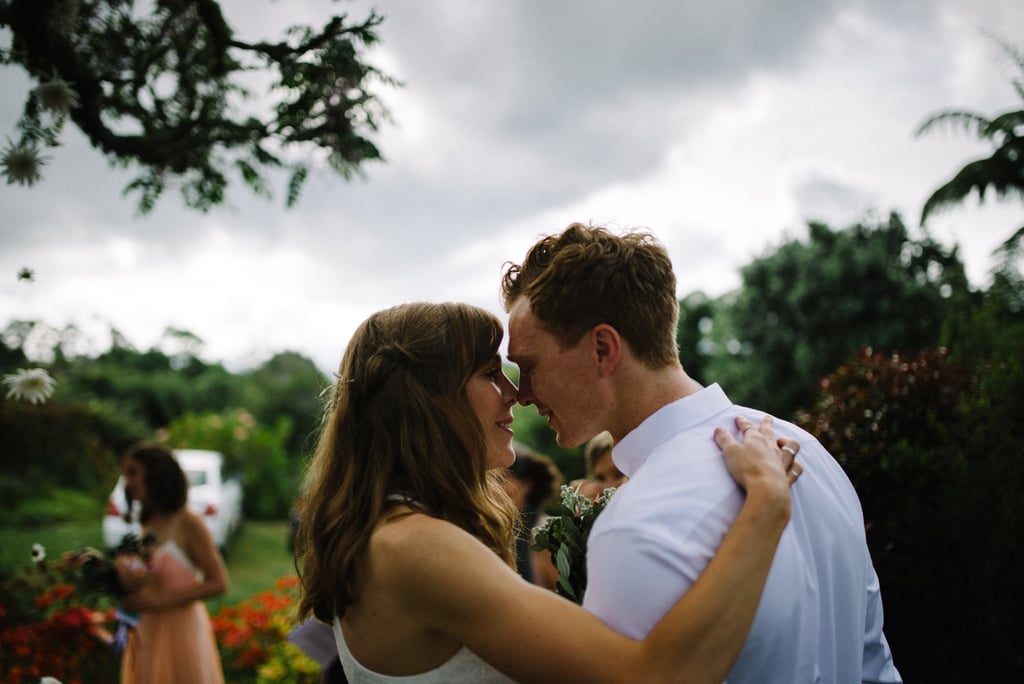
[409, 529]
[431, 567]
[419, 535]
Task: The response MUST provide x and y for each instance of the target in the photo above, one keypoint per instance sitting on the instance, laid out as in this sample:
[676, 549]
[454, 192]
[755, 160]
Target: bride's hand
[760, 460]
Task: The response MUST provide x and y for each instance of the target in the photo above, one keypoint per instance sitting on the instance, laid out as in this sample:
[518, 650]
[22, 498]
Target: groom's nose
[526, 391]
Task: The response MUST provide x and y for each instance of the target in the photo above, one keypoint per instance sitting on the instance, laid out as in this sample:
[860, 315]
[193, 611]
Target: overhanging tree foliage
[164, 92]
[1003, 171]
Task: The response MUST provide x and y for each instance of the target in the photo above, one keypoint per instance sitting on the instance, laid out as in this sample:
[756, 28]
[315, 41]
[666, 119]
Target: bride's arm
[453, 583]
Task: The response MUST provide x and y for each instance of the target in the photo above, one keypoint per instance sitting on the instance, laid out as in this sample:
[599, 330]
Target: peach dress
[173, 646]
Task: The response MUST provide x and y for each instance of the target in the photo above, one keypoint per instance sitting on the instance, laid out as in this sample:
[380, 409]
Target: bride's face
[134, 480]
[491, 395]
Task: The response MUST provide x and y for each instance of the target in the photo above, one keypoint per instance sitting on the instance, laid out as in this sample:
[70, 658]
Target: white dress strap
[465, 667]
[171, 547]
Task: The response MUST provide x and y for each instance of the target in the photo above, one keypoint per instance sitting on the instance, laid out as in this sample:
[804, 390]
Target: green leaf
[295, 184]
[563, 562]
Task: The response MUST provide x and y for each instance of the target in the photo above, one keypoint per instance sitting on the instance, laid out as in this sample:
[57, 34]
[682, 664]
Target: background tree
[149, 387]
[805, 307]
[164, 92]
[260, 419]
[288, 385]
[696, 316]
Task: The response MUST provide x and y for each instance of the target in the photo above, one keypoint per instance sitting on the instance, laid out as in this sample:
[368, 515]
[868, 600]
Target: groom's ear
[607, 346]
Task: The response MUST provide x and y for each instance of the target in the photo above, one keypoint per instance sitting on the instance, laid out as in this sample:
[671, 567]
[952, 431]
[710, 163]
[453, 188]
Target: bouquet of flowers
[565, 536]
[115, 575]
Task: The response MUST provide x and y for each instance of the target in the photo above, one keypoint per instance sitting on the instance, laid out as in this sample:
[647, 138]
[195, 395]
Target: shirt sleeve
[878, 665]
[634, 577]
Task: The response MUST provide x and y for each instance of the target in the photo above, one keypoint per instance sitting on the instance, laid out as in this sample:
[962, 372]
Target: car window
[195, 477]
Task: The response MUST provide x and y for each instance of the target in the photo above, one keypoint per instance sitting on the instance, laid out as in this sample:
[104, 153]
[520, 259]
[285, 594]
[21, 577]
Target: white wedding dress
[464, 666]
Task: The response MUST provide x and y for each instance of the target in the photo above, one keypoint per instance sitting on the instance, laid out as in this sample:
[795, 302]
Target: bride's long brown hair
[398, 422]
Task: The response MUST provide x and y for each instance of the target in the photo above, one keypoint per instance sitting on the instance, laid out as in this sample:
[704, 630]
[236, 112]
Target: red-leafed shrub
[935, 449]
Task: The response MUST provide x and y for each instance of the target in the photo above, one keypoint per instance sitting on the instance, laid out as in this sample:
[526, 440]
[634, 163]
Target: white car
[217, 499]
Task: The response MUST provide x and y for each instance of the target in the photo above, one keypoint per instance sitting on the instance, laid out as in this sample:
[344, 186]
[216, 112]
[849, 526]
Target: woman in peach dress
[173, 642]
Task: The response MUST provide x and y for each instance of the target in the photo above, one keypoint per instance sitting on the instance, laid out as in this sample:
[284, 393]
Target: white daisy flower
[38, 553]
[34, 385]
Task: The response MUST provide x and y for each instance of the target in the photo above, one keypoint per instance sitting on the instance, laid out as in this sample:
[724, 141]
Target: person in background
[174, 641]
[406, 544]
[602, 473]
[532, 483]
[592, 325]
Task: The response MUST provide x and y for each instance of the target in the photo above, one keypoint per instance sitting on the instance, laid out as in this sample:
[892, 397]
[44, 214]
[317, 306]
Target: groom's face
[561, 383]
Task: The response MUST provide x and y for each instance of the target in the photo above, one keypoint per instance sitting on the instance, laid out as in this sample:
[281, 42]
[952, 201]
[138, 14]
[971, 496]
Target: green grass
[257, 556]
[16, 541]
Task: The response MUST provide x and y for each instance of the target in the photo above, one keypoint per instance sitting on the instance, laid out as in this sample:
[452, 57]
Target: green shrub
[252, 451]
[73, 446]
[57, 505]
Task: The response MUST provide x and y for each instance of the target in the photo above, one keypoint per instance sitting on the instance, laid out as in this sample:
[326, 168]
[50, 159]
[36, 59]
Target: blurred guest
[533, 482]
[602, 472]
[174, 641]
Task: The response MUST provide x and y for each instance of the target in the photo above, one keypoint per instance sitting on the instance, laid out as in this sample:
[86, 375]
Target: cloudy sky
[721, 126]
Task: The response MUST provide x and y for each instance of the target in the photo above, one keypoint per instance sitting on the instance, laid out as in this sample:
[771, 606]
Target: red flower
[58, 592]
[252, 656]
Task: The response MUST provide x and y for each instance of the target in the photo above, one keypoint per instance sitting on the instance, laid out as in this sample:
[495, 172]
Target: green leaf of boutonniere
[565, 537]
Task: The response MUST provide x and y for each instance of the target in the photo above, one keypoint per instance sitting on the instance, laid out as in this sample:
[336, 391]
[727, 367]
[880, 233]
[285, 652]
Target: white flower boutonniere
[565, 536]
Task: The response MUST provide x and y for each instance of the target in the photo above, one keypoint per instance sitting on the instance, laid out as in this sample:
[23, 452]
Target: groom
[592, 325]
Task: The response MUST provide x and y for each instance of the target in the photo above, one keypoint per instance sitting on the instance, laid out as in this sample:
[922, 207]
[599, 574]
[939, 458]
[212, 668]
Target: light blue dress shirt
[820, 618]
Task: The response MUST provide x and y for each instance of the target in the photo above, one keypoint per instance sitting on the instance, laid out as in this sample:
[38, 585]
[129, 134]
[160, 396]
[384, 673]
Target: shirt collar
[632, 450]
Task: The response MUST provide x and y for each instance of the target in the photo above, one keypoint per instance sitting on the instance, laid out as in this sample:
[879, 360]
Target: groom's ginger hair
[586, 276]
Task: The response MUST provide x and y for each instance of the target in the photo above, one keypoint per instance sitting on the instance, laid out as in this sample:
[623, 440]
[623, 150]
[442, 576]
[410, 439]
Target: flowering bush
[56, 619]
[886, 418]
[930, 441]
[48, 627]
[565, 536]
[253, 639]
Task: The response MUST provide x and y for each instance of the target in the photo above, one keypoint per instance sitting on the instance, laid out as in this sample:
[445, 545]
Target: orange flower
[289, 582]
